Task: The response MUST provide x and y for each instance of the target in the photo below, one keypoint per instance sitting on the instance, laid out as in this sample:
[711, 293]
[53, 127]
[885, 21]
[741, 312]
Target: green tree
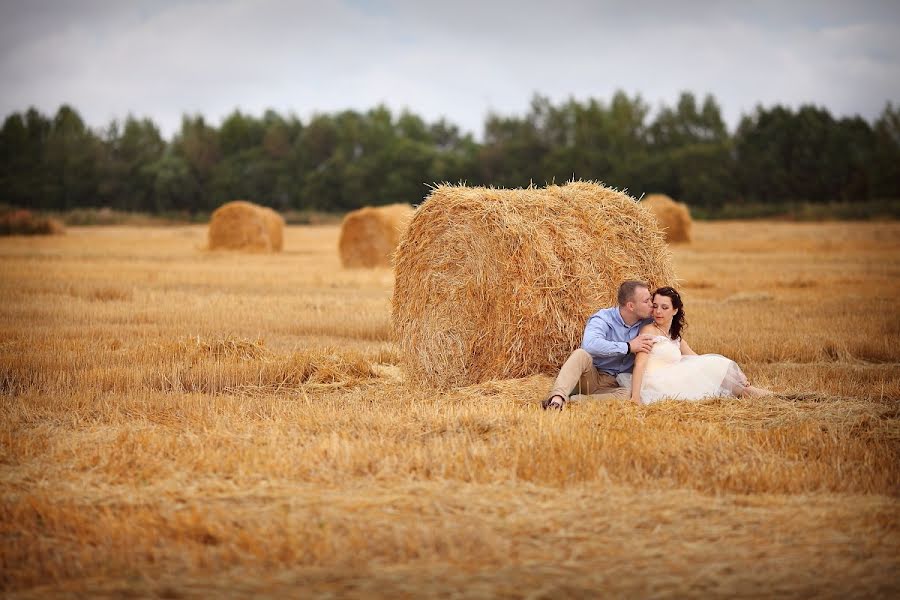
[125, 181]
[805, 155]
[278, 142]
[197, 144]
[690, 153]
[174, 185]
[239, 133]
[513, 149]
[884, 169]
[19, 163]
[71, 157]
[455, 157]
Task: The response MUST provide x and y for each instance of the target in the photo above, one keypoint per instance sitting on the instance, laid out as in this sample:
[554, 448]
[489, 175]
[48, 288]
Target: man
[610, 342]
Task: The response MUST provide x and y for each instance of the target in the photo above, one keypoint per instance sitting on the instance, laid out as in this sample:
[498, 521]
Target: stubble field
[180, 423]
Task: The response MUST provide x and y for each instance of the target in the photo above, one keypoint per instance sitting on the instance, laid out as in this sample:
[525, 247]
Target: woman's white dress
[669, 374]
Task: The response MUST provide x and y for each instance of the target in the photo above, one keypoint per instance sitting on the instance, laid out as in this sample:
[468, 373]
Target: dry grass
[169, 430]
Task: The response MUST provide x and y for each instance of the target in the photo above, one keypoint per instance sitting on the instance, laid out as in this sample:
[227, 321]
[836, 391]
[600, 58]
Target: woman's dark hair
[678, 322]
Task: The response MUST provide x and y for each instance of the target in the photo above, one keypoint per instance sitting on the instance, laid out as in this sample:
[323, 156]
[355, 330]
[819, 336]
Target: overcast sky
[458, 59]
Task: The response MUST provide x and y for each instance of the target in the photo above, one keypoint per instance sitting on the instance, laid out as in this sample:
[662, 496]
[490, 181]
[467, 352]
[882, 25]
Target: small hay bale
[21, 221]
[275, 224]
[242, 225]
[370, 235]
[674, 217]
[54, 226]
[498, 284]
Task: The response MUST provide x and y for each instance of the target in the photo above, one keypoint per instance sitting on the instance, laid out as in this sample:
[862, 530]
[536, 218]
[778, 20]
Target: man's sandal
[555, 401]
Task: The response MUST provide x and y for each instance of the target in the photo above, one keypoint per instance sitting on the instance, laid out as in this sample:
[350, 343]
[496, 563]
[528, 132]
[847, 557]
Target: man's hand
[642, 343]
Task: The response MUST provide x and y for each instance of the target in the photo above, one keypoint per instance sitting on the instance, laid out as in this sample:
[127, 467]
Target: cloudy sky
[458, 59]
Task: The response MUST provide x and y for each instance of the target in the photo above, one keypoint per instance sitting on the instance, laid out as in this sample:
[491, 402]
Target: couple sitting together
[635, 351]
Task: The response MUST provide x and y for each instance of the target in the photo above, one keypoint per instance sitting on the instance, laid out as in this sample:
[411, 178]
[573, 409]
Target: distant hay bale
[275, 225]
[674, 217]
[19, 221]
[370, 235]
[242, 225]
[54, 226]
[498, 284]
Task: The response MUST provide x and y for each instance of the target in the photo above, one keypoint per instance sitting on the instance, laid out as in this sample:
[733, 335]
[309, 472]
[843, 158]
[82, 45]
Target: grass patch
[803, 211]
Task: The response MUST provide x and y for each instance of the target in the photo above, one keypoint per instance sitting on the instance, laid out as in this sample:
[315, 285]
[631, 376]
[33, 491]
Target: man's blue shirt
[606, 338]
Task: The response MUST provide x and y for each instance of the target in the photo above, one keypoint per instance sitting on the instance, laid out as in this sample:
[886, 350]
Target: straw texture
[497, 284]
[674, 217]
[242, 225]
[370, 235]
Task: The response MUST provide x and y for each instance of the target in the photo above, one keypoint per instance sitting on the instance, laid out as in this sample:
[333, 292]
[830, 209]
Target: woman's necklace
[660, 329]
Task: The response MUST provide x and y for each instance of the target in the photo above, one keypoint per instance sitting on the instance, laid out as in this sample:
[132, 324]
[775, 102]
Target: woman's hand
[635, 399]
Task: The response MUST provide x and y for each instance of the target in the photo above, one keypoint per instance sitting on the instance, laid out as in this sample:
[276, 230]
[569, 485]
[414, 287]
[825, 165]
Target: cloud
[459, 61]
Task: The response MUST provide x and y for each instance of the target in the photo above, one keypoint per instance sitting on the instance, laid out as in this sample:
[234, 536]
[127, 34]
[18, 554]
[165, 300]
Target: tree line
[341, 161]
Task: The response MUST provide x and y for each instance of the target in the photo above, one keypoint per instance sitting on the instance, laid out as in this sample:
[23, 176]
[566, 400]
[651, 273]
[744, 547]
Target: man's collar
[641, 322]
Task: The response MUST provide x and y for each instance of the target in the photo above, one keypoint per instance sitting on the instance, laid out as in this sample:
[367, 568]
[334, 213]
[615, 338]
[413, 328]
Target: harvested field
[168, 429]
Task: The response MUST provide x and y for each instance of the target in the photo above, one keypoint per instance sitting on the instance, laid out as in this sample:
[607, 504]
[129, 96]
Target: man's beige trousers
[578, 376]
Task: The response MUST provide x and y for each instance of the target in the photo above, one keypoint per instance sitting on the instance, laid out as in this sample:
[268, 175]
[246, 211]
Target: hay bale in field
[54, 226]
[674, 217]
[20, 221]
[370, 235]
[275, 225]
[242, 225]
[496, 284]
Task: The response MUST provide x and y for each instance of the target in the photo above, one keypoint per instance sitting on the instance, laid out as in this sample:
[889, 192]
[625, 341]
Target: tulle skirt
[692, 378]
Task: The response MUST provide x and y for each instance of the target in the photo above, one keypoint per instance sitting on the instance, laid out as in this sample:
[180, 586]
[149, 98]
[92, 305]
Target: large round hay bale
[497, 284]
[242, 225]
[674, 217]
[370, 235]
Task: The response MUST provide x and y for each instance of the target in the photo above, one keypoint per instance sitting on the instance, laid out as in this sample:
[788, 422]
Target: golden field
[180, 423]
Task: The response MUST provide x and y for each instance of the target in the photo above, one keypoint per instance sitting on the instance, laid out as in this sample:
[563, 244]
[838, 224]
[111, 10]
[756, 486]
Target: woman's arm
[640, 365]
[637, 377]
[686, 350]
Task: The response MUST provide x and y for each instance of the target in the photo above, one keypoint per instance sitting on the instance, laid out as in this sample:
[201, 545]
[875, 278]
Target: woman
[673, 370]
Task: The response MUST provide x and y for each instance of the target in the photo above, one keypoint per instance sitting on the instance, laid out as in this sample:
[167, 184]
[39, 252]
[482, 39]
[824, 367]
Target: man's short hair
[627, 290]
